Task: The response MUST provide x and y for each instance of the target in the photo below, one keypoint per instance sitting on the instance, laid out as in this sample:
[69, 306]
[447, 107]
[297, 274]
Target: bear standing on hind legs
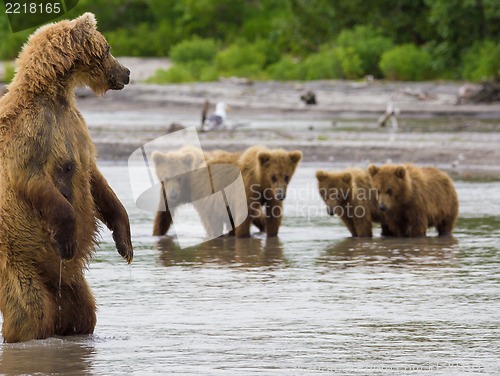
[51, 192]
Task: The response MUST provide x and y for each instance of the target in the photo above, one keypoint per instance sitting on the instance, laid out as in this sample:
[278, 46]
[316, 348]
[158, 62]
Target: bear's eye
[389, 191]
[274, 179]
[287, 178]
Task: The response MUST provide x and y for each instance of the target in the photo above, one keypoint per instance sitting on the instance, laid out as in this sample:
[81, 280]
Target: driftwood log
[487, 92]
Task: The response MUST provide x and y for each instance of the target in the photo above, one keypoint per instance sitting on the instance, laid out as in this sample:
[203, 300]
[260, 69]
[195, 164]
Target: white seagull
[217, 119]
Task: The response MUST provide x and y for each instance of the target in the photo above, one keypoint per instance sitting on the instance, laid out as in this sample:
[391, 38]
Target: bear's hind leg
[27, 307]
[274, 214]
[445, 228]
[76, 309]
[162, 222]
[363, 227]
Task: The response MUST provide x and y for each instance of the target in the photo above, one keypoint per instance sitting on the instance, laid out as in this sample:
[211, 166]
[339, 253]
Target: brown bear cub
[51, 192]
[349, 195]
[172, 169]
[412, 199]
[266, 174]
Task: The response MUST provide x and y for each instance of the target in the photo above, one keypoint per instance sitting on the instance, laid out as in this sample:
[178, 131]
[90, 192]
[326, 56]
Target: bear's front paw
[64, 235]
[67, 245]
[124, 243]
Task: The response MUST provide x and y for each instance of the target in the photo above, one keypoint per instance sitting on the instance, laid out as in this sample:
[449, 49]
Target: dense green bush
[350, 63]
[368, 44]
[130, 42]
[10, 43]
[258, 36]
[331, 63]
[284, 70]
[441, 55]
[237, 59]
[406, 63]
[8, 72]
[176, 74]
[208, 73]
[320, 66]
[193, 71]
[482, 62]
[194, 49]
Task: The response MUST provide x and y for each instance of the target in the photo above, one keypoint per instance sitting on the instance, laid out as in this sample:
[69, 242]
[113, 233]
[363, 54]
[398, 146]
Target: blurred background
[410, 40]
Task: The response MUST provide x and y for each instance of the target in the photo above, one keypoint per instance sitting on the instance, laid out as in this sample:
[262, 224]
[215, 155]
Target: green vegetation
[406, 63]
[8, 73]
[482, 61]
[299, 39]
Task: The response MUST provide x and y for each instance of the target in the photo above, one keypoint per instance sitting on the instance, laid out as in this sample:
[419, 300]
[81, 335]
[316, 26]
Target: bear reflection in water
[48, 357]
[421, 252]
[228, 250]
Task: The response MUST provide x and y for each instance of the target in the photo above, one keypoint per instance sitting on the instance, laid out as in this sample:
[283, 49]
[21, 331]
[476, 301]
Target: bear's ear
[372, 170]
[347, 178]
[264, 157]
[400, 172]
[321, 175]
[188, 159]
[295, 156]
[158, 157]
[86, 21]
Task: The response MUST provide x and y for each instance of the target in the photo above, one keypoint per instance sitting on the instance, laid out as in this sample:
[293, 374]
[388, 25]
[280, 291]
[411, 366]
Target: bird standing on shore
[215, 120]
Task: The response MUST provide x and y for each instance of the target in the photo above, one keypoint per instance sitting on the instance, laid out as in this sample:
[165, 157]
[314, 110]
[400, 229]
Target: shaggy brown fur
[413, 199]
[51, 190]
[266, 174]
[174, 170]
[215, 225]
[180, 186]
[349, 195]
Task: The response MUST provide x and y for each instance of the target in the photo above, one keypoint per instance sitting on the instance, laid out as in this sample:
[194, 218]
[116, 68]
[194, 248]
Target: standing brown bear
[51, 192]
[412, 199]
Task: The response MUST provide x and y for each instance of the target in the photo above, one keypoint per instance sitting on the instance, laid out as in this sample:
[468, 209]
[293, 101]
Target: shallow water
[313, 301]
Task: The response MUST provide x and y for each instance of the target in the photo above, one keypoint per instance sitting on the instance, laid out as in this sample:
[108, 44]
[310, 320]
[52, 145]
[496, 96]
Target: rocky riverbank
[341, 129]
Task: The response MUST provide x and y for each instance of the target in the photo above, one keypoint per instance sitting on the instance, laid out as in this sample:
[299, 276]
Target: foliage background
[299, 39]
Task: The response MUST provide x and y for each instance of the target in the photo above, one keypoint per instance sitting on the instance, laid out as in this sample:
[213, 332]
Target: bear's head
[68, 54]
[336, 189]
[172, 169]
[393, 185]
[276, 169]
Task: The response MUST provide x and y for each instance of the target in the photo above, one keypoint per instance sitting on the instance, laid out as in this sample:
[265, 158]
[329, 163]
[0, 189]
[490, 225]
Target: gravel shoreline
[462, 139]
[464, 151]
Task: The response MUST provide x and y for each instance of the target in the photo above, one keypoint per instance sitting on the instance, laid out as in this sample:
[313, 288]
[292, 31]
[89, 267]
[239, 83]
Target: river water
[313, 301]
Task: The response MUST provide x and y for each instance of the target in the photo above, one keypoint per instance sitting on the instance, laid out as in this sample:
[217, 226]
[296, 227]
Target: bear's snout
[172, 196]
[280, 194]
[119, 77]
[382, 207]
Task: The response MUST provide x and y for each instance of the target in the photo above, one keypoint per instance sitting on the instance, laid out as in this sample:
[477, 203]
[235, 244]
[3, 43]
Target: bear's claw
[67, 247]
[124, 245]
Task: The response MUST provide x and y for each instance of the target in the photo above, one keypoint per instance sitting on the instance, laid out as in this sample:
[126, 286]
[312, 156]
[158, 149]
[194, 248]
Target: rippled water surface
[313, 301]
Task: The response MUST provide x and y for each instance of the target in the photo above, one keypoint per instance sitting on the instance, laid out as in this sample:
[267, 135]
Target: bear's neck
[57, 89]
